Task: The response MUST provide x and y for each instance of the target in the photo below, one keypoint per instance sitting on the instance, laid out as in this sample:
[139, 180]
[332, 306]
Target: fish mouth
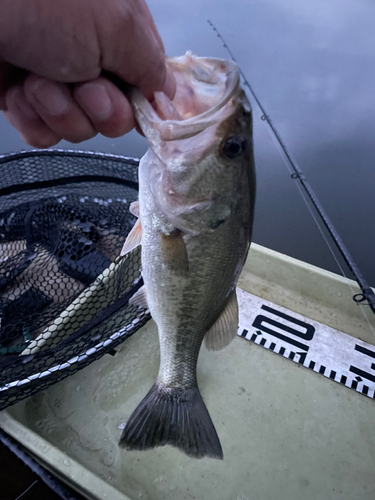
[185, 136]
[206, 91]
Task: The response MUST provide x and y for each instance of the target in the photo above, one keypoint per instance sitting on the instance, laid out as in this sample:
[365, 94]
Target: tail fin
[176, 417]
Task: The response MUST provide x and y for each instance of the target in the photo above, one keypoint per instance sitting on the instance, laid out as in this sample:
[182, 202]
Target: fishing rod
[367, 297]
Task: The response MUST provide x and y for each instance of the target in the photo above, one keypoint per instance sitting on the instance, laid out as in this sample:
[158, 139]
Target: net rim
[66, 152]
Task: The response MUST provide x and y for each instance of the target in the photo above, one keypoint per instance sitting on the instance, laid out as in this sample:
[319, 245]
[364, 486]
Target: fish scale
[196, 203]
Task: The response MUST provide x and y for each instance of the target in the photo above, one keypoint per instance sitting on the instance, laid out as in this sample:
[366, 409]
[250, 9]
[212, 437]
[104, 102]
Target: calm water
[312, 65]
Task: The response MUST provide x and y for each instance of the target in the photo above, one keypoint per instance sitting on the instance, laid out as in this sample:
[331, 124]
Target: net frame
[98, 317]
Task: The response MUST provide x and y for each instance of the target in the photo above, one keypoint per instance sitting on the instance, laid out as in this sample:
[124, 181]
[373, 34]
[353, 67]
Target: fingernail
[169, 85]
[95, 101]
[52, 96]
[19, 100]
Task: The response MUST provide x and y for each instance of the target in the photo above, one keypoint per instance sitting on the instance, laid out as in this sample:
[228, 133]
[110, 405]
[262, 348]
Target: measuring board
[334, 354]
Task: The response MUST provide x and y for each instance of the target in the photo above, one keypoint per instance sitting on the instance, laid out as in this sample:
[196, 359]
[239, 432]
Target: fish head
[201, 147]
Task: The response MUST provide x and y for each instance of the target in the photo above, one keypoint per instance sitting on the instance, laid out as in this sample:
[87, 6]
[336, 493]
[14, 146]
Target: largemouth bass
[196, 203]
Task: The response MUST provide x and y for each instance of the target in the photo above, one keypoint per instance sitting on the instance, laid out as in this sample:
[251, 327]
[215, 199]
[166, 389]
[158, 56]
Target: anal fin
[139, 299]
[223, 331]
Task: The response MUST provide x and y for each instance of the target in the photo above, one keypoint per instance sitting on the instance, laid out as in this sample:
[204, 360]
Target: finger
[149, 19]
[22, 116]
[9, 76]
[138, 58]
[107, 107]
[55, 104]
[169, 88]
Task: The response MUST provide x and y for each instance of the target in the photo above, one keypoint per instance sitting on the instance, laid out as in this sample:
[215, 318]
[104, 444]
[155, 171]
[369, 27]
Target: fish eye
[234, 146]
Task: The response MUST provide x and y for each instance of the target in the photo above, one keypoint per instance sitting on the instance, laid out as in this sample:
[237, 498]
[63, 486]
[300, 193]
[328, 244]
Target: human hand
[52, 54]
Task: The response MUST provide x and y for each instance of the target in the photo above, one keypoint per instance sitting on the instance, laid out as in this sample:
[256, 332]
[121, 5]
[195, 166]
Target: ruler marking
[258, 323]
[362, 373]
[302, 357]
[309, 328]
[363, 350]
[322, 349]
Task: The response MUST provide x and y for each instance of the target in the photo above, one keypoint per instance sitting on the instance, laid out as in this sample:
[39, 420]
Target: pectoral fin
[174, 252]
[139, 299]
[223, 331]
[133, 239]
[134, 209]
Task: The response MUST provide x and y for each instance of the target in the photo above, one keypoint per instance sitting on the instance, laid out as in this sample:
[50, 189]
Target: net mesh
[64, 216]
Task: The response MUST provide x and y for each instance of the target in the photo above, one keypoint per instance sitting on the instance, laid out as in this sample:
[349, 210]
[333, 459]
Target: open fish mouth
[206, 94]
[203, 85]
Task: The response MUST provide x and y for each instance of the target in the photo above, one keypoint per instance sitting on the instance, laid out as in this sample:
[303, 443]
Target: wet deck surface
[286, 431]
